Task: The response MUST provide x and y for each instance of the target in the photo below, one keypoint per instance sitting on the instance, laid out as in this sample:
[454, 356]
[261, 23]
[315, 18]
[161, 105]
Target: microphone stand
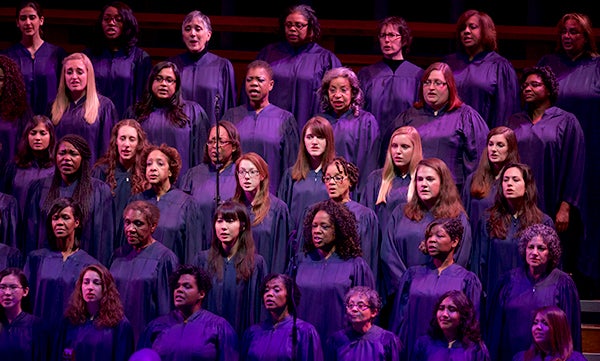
[218, 164]
[293, 270]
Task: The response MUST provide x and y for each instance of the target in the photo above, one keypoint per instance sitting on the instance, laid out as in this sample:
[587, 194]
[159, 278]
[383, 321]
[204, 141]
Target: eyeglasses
[336, 178]
[222, 143]
[251, 172]
[361, 306]
[533, 84]
[12, 288]
[160, 79]
[298, 26]
[390, 36]
[116, 19]
[436, 83]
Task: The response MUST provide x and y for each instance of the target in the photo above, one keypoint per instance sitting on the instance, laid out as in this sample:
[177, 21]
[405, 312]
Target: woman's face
[29, 22]
[127, 142]
[275, 296]
[536, 253]
[157, 168]
[401, 150]
[227, 230]
[390, 42]
[76, 77]
[296, 29]
[470, 36]
[336, 183]
[323, 230]
[186, 293]
[64, 223]
[358, 309]
[315, 145]
[39, 138]
[11, 291]
[513, 185]
[428, 184]
[249, 177]
[540, 330]
[195, 35]
[138, 230]
[112, 23]
[439, 243]
[572, 38]
[447, 315]
[258, 84]
[226, 147]
[497, 149]
[68, 159]
[91, 287]
[164, 83]
[435, 90]
[533, 90]
[340, 94]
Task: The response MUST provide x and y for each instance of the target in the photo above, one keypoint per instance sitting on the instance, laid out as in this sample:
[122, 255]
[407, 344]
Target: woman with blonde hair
[79, 108]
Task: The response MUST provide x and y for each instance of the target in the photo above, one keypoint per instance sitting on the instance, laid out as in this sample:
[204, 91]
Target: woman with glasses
[219, 160]
[271, 223]
[391, 85]
[168, 118]
[485, 80]
[362, 339]
[269, 130]
[120, 66]
[298, 62]
[450, 129]
[205, 77]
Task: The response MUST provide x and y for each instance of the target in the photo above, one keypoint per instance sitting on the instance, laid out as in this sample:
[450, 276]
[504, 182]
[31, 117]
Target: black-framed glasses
[338, 178]
[117, 19]
[12, 288]
[390, 36]
[251, 172]
[361, 306]
[160, 79]
[437, 83]
[298, 26]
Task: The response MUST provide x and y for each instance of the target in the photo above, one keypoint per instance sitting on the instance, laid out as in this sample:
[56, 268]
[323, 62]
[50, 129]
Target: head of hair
[321, 128]
[468, 327]
[149, 211]
[234, 138]
[57, 206]
[25, 155]
[262, 200]
[561, 341]
[313, 28]
[347, 242]
[357, 97]
[129, 31]
[548, 236]
[291, 289]
[402, 27]
[35, 6]
[199, 15]
[261, 64]
[172, 155]
[587, 31]
[448, 203]
[346, 168]
[547, 75]
[390, 171]
[370, 294]
[203, 280]
[486, 24]
[232, 211]
[484, 175]
[454, 100]
[453, 227]
[14, 100]
[23, 282]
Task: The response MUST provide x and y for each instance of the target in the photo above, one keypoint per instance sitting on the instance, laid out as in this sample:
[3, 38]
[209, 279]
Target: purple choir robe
[179, 224]
[41, 72]
[429, 349]
[301, 194]
[579, 93]
[376, 344]
[97, 234]
[202, 336]
[323, 284]
[52, 280]
[239, 302]
[358, 140]
[512, 309]
[419, 289]
[272, 134]
[88, 342]
[188, 140]
[268, 341]
[271, 235]
[400, 246]
[121, 75]
[476, 207]
[9, 219]
[493, 257]
[575, 356]
[18, 180]
[298, 72]
[96, 134]
[554, 148]
[201, 183]
[457, 137]
[144, 276]
[488, 83]
[209, 80]
[10, 257]
[10, 135]
[24, 339]
[388, 93]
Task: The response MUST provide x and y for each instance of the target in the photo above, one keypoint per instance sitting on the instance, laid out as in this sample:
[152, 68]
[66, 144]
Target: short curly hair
[203, 279]
[14, 104]
[345, 167]
[347, 240]
[171, 153]
[452, 226]
[548, 236]
[372, 296]
[548, 78]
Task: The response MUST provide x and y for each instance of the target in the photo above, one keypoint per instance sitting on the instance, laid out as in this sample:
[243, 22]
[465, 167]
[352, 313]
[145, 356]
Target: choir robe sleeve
[392, 263]
[9, 220]
[572, 162]
[200, 128]
[376, 344]
[428, 349]
[369, 234]
[463, 254]
[98, 235]
[473, 132]
[10, 257]
[156, 326]
[33, 227]
[271, 236]
[284, 192]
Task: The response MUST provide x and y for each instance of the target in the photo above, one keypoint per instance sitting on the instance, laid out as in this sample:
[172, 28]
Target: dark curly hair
[453, 227]
[202, 277]
[550, 238]
[314, 28]
[110, 312]
[25, 156]
[290, 287]
[548, 78]
[347, 242]
[346, 168]
[172, 155]
[468, 327]
[13, 94]
[129, 32]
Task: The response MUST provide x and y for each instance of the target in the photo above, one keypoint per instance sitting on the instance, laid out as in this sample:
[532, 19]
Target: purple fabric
[575, 356]
[23, 339]
[368, 232]
[10, 135]
[10, 257]
[18, 180]
[476, 207]
[428, 349]
[9, 220]
[376, 344]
